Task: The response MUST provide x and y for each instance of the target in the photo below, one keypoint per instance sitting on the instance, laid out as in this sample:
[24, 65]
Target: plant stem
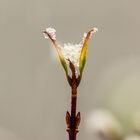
[72, 134]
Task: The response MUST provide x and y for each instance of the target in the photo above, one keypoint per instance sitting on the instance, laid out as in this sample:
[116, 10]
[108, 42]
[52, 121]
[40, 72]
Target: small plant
[72, 56]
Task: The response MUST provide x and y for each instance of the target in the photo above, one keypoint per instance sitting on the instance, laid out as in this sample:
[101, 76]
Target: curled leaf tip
[50, 33]
[95, 30]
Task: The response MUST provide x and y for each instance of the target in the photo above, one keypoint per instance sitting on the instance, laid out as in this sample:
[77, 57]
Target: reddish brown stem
[73, 132]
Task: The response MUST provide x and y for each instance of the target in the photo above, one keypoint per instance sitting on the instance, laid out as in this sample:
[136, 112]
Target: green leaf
[62, 59]
[83, 54]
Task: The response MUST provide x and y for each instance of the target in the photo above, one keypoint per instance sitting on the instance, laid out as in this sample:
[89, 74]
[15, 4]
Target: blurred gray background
[34, 94]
